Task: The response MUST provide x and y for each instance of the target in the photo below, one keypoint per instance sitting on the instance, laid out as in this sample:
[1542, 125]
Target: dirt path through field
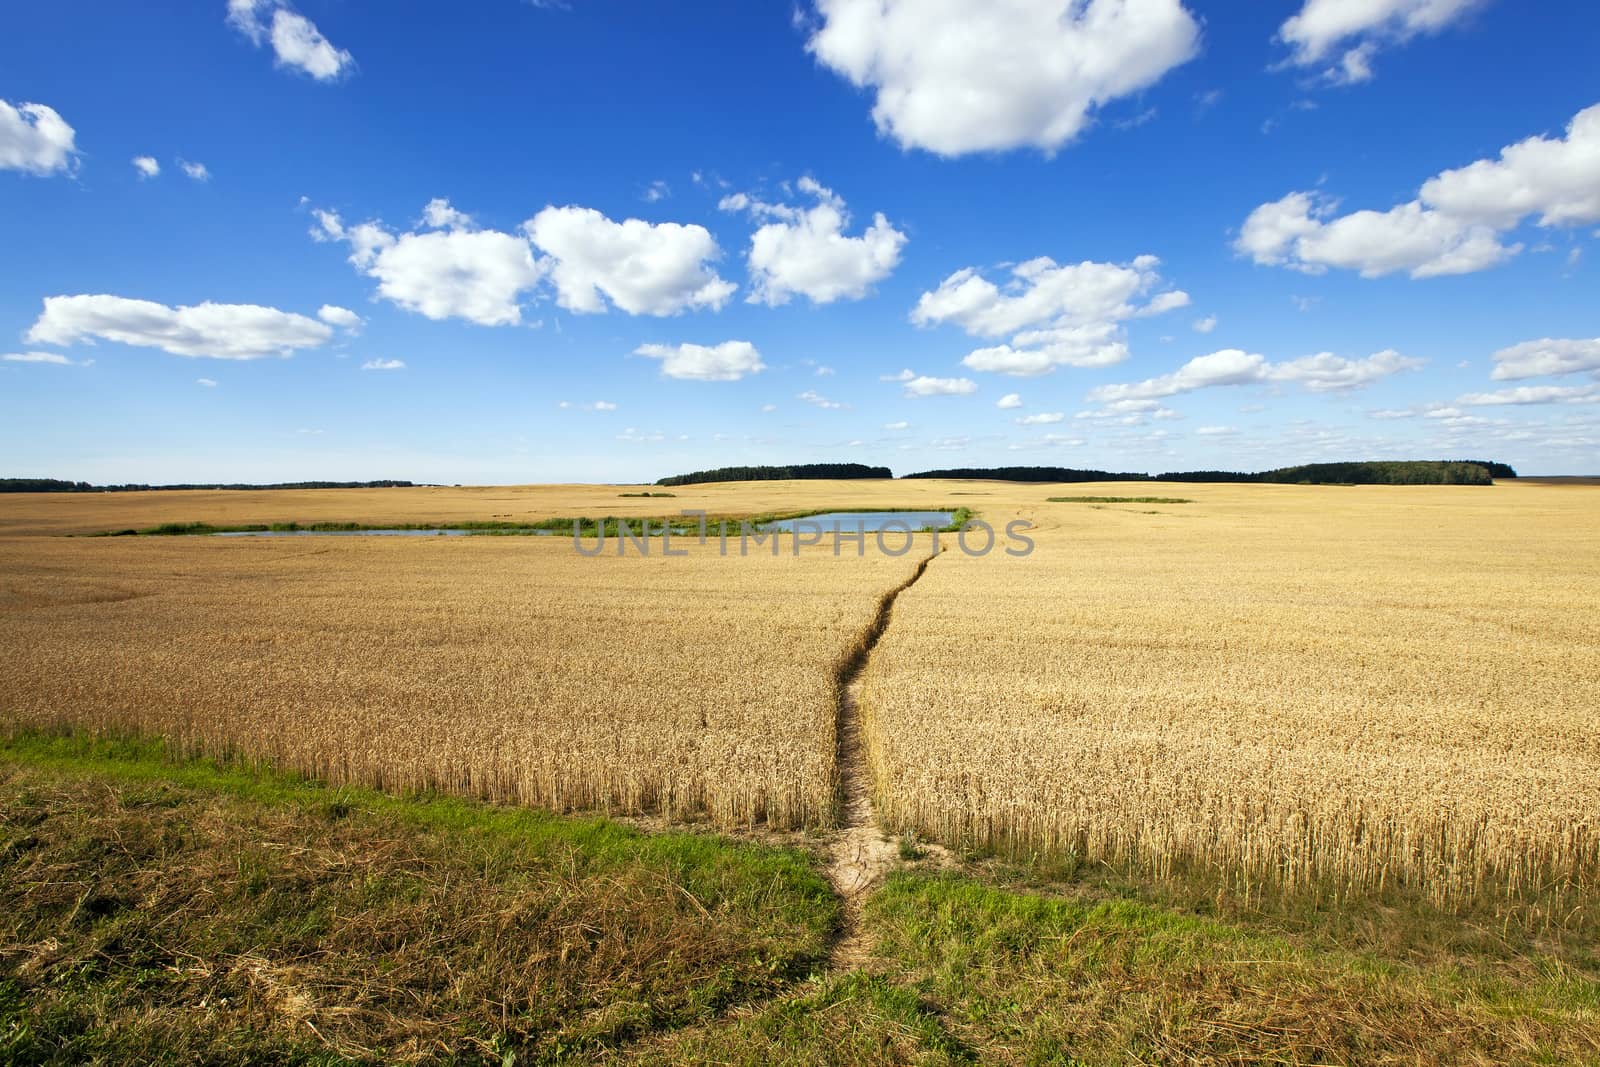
[861, 853]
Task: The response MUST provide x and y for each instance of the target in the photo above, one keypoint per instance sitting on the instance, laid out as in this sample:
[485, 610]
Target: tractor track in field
[861, 854]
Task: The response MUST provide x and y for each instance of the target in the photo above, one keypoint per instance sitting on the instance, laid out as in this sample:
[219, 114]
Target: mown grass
[977, 969]
[1092, 978]
[160, 911]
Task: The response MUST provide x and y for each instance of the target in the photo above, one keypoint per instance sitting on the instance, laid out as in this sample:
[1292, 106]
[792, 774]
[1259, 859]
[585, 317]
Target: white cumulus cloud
[1328, 373]
[296, 42]
[383, 364]
[1300, 232]
[1356, 29]
[1321, 373]
[953, 76]
[923, 385]
[1557, 179]
[1044, 418]
[36, 357]
[196, 171]
[1010, 400]
[344, 318]
[1205, 325]
[804, 251]
[818, 400]
[477, 275]
[218, 331]
[727, 362]
[1535, 359]
[1456, 223]
[1534, 394]
[439, 214]
[35, 139]
[146, 166]
[643, 268]
[1057, 315]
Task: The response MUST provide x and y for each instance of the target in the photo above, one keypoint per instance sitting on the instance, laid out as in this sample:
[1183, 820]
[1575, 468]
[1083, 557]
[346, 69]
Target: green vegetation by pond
[610, 526]
[1119, 500]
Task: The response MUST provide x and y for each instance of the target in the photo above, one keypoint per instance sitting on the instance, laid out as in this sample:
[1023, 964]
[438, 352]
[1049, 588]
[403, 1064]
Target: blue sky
[1138, 235]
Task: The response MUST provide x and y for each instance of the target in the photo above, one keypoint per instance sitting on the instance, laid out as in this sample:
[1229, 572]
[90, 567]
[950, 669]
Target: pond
[870, 521]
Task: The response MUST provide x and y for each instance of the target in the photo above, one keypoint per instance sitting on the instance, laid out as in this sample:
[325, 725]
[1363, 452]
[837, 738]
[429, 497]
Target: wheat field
[1277, 685]
[1355, 687]
[508, 668]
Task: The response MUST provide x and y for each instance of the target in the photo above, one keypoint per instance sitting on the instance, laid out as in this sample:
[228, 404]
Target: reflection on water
[870, 521]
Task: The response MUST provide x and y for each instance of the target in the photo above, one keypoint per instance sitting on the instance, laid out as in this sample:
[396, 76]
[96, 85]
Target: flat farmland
[508, 668]
[1279, 685]
[1222, 773]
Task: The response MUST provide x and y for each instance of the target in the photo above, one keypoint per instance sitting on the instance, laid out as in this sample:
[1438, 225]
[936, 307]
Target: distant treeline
[1381, 472]
[1384, 472]
[1030, 474]
[57, 485]
[799, 472]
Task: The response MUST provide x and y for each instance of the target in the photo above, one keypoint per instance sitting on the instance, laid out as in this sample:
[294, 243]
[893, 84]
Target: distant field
[56, 513]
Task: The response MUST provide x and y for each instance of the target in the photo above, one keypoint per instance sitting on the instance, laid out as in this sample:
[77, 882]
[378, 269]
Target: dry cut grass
[1355, 687]
[506, 668]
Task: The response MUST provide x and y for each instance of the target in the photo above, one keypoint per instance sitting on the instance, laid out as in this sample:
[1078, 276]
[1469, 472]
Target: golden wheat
[510, 668]
[1362, 685]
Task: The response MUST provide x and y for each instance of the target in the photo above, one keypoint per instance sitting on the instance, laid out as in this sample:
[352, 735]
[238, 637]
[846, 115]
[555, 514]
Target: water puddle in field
[867, 521]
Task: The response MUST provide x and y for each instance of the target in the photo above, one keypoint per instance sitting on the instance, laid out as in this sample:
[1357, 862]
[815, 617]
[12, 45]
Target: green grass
[153, 910]
[584, 527]
[973, 969]
[1098, 980]
[848, 1019]
[1119, 500]
[959, 517]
